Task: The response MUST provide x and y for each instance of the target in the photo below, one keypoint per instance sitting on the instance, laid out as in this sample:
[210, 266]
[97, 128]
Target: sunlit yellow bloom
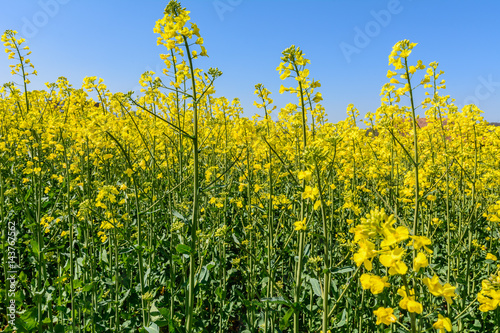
[489, 296]
[420, 241]
[490, 256]
[394, 236]
[365, 254]
[375, 283]
[431, 197]
[306, 175]
[435, 288]
[408, 302]
[393, 260]
[310, 193]
[285, 74]
[385, 316]
[317, 98]
[102, 235]
[442, 324]
[420, 261]
[300, 225]
[390, 74]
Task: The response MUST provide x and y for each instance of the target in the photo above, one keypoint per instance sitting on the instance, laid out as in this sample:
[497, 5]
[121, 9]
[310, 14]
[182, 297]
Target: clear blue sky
[348, 43]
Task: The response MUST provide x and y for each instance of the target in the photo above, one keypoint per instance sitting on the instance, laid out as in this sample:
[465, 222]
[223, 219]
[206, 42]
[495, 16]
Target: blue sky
[348, 43]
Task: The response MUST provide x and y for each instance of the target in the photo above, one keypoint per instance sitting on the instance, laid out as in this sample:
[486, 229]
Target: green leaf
[219, 292]
[23, 277]
[343, 270]
[179, 216]
[88, 287]
[104, 256]
[155, 313]
[77, 284]
[153, 328]
[19, 325]
[343, 320]
[314, 234]
[35, 247]
[125, 296]
[203, 276]
[236, 239]
[275, 300]
[307, 250]
[284, 321]
[164, 312]
[29, 318]
[210, 265]
[183, 249]
[80, 261]
[316, 287]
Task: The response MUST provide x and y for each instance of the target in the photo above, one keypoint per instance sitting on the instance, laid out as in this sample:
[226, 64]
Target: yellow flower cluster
[174, 32]
[437, 289]
[489, 296]
[385, 316]
[400, 50]
[293, 64]
[15, 51]
[377, 236]
[375, 283]
[301, 225]
[493, 214]
[408, 302]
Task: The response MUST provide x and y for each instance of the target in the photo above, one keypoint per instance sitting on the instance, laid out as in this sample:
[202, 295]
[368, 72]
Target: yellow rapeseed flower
[420, 261]
[365, 254]
[442, 324]
[306, 175]
[489, 296]
[393, 260]
[437, 289]
[420, 241]
[310, 193]
[375, 283]
[300, 225]
[490, 256]
[385, 316]
[408, 302]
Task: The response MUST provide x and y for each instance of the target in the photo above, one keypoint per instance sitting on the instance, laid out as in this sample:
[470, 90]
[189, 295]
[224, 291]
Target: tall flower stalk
[176, 36]
[293, 64]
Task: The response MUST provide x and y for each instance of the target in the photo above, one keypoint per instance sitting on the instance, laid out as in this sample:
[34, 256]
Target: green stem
[298, 282]
[415, 150]
[71, 237]
[194, 220]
